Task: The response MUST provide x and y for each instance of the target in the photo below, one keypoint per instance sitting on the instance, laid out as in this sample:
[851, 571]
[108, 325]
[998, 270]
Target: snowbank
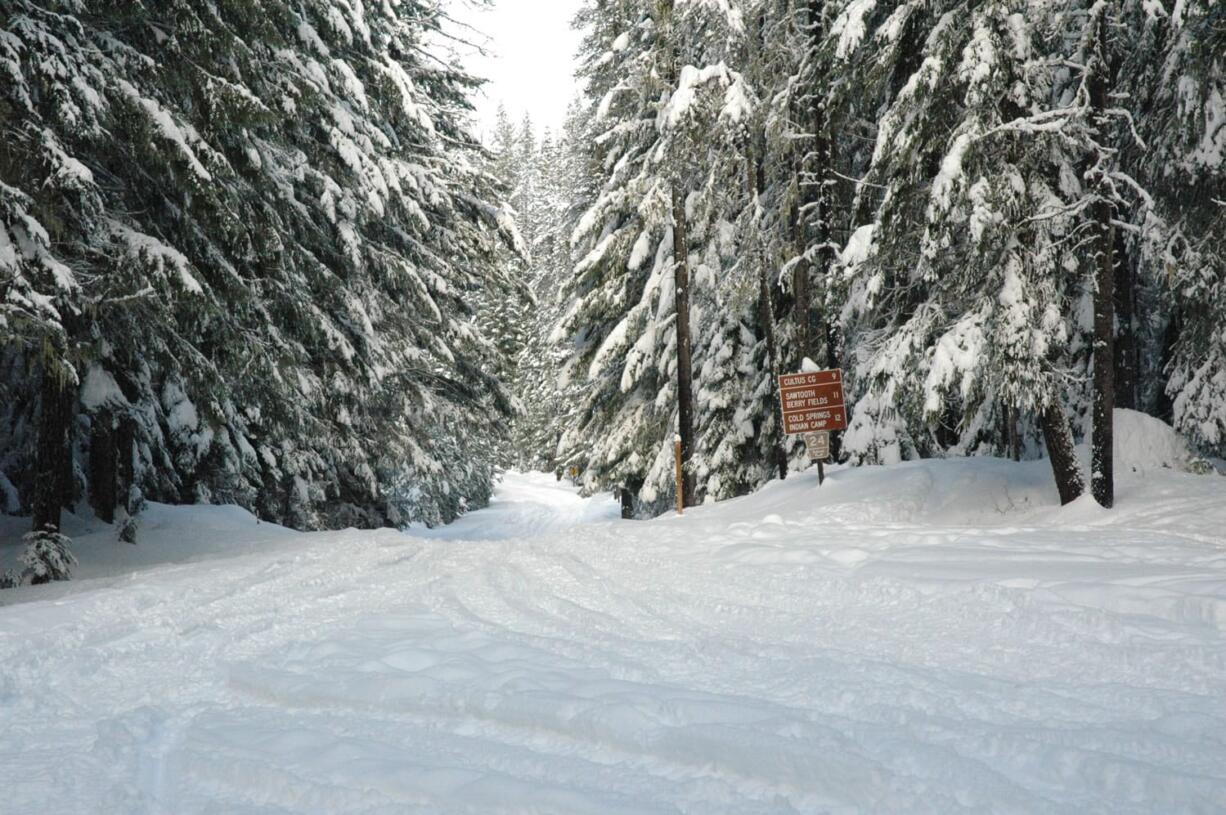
[167, 535]
[1143, 443]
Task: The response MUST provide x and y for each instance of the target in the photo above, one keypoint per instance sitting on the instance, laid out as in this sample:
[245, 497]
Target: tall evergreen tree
[664, 84]
[1183, 128]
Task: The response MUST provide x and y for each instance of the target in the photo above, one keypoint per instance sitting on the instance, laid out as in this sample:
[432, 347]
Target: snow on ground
[168, 535]
[931, 637]
[528, 505]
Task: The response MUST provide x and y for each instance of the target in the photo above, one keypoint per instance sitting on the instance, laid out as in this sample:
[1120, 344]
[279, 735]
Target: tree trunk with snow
[627, 502]
[127, 491]
[1102, 476]
[766, 317]
[821, 189]
[685, 362]
[802, 297]
[1059, 440]
[1127, 354]
[681, 281]
[55, 418]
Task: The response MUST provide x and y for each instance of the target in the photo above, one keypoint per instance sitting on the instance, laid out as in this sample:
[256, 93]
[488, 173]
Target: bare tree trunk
[685, 362]
[102, 467]
[53, 446]
[1059, 441]
[1102, 467]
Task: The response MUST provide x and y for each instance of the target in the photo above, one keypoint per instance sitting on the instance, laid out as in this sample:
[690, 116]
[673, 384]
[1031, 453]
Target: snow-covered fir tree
[553, 208]
[1184, 162]
[1005, 207]
[239, 248]
[505, 305]
[665, 88]
[47, 557]
[958, 293]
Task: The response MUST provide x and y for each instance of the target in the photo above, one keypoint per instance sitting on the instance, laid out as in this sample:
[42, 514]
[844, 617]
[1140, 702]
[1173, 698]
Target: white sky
[531, 65]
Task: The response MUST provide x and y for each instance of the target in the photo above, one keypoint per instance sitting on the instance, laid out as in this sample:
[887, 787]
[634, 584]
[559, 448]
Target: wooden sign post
[813, 405]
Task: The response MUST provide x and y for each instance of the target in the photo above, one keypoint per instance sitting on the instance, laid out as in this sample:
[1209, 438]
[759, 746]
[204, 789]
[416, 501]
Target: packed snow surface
[930, 637]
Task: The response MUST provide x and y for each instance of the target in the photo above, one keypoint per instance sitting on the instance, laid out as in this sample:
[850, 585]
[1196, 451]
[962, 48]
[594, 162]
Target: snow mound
[1143, 443]
[981, 492]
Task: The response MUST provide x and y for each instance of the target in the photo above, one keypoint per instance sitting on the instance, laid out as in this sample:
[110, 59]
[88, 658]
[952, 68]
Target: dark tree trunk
[1102, 477]
[821, 165]
[766, 316]
[1015, 436]
[54, 428]
[800, 214]
[125, 460]
[685, 373]
[629, 494]
[103, 470]
[1127, 353]
[1059, 441]
[1163, 407]
[802, 296]
[1102, 468]
[681, 280]
[819, 200]
[127, 494]
[69, 488]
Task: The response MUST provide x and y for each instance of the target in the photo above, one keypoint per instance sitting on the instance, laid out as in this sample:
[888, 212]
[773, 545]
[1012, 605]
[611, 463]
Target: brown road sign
[812, 402]
[812, 397]
[811, 378]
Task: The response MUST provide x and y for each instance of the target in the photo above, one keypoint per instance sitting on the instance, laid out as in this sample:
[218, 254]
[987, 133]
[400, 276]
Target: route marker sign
[812, 402]
[818, 445]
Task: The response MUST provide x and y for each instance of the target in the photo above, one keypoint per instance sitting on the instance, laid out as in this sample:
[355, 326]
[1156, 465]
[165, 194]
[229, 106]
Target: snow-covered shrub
[130, 520]
[1201, 466]
[47, 556]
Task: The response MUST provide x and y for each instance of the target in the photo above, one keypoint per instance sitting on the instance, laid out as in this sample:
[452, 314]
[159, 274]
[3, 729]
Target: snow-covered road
[934, 637]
